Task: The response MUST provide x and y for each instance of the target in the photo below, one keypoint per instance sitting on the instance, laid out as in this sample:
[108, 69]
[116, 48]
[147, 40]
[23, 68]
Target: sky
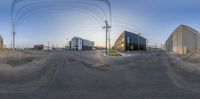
[155, 19]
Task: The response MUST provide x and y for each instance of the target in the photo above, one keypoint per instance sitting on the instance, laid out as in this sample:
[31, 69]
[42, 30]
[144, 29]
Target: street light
[139, 41]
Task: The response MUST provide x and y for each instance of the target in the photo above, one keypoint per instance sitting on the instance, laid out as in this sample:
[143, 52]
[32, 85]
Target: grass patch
[113, 53]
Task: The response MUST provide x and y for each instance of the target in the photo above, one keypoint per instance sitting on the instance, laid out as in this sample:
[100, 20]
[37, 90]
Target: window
[128, 40]
[122, 45]
[123, 39]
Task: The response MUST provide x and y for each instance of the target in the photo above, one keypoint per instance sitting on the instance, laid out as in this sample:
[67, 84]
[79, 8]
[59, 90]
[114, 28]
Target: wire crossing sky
[32, 7]
[56, 21]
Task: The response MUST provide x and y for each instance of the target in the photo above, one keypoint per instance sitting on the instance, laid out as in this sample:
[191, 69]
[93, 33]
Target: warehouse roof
[185, 27]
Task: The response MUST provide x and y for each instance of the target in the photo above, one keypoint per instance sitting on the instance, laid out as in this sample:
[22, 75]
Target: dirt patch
[20, 62]
[96, 66]
[183, 74]
[25, 72]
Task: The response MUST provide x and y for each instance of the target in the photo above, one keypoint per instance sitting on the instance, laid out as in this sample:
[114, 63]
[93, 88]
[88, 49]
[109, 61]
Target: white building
[183, 40]
[80, 44]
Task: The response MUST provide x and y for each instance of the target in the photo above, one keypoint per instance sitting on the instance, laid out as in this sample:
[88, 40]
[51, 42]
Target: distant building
[99, 48]
[152, 47]
[80, 44]
[40, 47]
[183, 40]
[129, 42]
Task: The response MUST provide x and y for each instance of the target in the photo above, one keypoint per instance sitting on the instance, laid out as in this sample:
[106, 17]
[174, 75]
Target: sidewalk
[131, 53]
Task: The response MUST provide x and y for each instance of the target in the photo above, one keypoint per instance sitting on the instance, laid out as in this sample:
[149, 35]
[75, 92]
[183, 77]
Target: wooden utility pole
[14, 34]
[107, 27]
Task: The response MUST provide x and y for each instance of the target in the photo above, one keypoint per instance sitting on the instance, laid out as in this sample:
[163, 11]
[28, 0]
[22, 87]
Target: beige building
[183, 40]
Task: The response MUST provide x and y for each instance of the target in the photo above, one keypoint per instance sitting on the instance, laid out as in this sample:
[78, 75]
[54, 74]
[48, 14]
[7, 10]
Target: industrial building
[40, 47]
[79, 44]
[129, 42]
[183, 40]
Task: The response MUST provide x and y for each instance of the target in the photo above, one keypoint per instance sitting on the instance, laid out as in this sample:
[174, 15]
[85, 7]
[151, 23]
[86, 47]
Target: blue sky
[155, 19]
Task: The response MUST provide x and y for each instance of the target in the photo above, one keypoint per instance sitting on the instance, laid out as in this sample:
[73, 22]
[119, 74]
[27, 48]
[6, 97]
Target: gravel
[26, 71]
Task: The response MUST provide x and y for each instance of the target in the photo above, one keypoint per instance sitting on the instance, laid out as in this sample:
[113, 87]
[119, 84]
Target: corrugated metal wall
[183, 40]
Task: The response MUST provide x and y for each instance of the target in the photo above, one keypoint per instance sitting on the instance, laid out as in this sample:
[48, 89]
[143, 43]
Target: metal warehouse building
[183, 40]
[80, 44]
[129, 42]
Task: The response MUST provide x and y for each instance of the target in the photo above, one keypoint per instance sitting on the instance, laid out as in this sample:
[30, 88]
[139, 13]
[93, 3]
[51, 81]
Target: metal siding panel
[190, 42]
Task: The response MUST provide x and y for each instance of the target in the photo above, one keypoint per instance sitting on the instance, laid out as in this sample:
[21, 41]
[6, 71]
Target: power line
[34, 6]
[14, 18]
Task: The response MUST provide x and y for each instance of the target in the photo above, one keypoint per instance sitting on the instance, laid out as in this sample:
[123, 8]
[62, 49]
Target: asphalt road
[90, 75]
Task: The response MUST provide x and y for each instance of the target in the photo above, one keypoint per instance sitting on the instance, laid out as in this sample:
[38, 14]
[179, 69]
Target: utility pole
[11, 44]
[48, 46]
[107, 27]
[109, 41]
[14, 33]
[13, 25]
